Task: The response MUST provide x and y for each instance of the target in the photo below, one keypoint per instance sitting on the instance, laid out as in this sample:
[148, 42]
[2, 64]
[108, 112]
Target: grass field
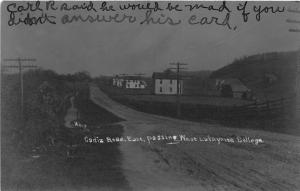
[214, 101]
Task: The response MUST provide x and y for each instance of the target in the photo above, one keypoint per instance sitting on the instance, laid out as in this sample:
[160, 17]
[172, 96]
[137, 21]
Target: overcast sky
[133, 48]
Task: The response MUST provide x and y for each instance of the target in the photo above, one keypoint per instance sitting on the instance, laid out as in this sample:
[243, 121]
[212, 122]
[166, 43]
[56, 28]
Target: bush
[44, 104]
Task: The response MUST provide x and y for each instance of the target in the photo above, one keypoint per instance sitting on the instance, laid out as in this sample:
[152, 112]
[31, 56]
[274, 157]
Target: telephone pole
[178, 68]
[296, 29]
[20, 66]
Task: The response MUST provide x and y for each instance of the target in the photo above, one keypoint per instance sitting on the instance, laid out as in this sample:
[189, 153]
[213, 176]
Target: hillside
[269, 75]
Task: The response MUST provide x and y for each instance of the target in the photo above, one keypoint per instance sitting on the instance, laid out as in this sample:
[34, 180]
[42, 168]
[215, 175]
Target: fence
[270, 108]
[267, 109]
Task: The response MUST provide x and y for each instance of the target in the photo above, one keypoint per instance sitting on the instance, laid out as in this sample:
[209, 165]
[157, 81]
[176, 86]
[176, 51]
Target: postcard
[150, 95]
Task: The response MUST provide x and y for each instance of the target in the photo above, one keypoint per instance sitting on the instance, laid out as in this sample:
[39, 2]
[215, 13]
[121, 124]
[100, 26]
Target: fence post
[282, 106]
[268, 108]
[256, 109]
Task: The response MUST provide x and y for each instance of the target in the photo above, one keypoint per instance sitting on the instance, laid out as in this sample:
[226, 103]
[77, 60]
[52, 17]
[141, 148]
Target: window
[160, 89]
[160, 82]
[171, 89]
[171, 81]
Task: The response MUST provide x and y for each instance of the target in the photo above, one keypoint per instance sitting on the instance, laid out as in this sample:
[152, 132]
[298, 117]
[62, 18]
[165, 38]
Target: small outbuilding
[233, 88]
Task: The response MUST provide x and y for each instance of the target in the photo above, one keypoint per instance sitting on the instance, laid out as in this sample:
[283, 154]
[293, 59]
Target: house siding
[166, 86]
[129, 84]
[134, 84]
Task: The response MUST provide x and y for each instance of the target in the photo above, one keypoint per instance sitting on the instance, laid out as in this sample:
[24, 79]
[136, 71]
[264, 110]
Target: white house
[134, 82]
[165, 83]
[118, 81]
[129, 82]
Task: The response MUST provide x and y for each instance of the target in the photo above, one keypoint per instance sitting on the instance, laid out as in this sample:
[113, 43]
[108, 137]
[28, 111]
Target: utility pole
[179, 85]
[296, 12]
[20, 66]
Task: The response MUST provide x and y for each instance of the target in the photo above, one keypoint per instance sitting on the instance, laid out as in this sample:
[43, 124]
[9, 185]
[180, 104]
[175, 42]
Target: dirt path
[71, 114]
[273, 165]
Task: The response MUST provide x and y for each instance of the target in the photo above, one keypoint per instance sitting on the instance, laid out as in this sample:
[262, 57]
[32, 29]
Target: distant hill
[202, 74]
[268, 75]
[198, 83]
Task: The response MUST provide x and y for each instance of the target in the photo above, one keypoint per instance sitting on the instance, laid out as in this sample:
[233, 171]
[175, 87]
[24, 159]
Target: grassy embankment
[270, 76]
[46, 100]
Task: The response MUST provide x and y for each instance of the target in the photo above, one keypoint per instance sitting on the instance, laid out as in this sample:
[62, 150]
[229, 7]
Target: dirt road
[272, 165]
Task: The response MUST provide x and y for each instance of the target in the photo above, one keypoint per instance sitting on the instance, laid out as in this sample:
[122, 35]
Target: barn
[233, 88]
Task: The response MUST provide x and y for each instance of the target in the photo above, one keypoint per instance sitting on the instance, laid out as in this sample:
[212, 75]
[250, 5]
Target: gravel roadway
[271, 165]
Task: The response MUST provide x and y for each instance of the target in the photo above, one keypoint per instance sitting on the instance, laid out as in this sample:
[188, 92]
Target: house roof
[235, 84]
[129, 77]
[164, 75]
[132, 78]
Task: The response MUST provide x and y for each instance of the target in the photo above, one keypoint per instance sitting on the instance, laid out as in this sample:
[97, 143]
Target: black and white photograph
[150, 95]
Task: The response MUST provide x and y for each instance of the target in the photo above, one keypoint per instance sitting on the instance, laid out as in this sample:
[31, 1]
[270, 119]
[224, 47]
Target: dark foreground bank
[60, 160]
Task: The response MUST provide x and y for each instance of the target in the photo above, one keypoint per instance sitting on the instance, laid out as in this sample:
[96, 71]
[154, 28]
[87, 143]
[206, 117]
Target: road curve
[273, 165]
